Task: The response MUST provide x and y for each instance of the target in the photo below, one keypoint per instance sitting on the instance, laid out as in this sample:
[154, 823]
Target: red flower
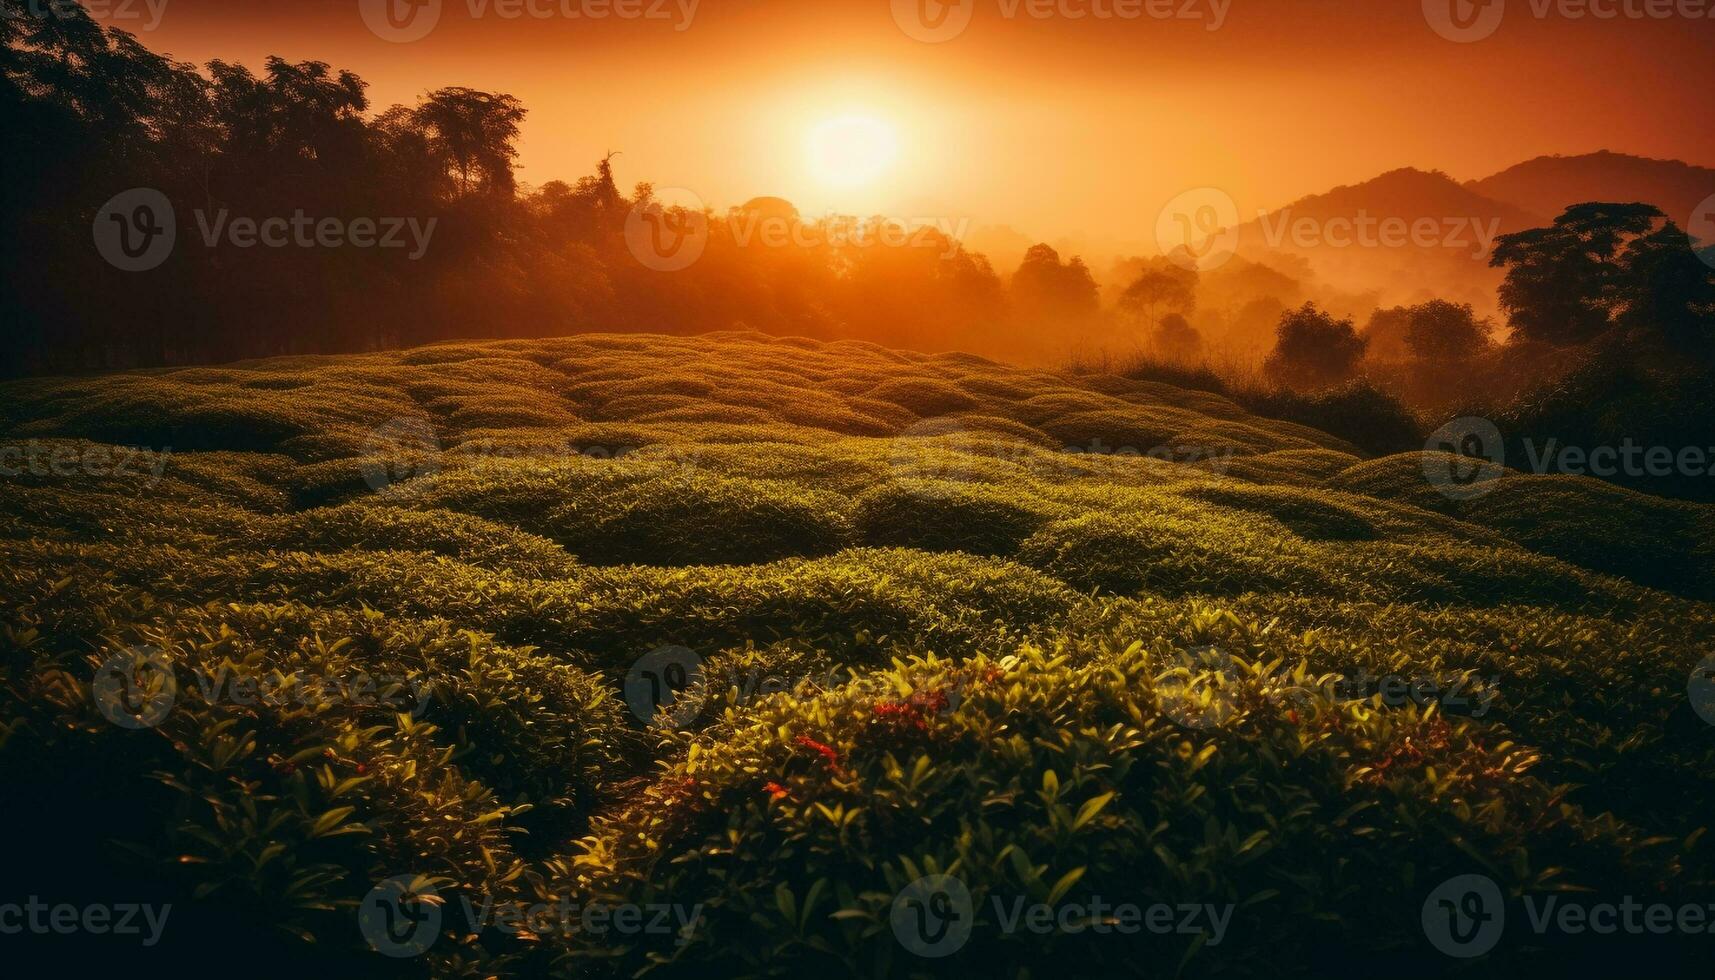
[820, 748]
[775, 790]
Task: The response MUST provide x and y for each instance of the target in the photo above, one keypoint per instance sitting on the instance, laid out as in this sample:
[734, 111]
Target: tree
[1561, 281]
[1444, 332]
[1384, 335]
[1314, 350]
[473, 133]
[1176, 339]
[1045, 290]
[1668, 288]
[1173, 289]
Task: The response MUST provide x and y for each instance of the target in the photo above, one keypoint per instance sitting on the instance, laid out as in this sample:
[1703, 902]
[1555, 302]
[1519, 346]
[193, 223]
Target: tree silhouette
[1169, 288]
[1175, 339]
[1561, 280]
[1047, 291]
[1313, 350]
[473, 134]
[1668, 288]
[1445, 333]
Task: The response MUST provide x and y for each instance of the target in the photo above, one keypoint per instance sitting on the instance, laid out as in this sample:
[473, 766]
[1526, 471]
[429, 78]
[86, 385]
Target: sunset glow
[852, 151]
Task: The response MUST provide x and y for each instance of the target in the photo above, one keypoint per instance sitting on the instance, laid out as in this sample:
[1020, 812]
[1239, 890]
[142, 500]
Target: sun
[852, 151]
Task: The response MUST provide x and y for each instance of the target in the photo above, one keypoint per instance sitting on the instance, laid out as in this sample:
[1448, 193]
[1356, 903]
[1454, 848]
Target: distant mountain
[1405, 236]
[1547, 185]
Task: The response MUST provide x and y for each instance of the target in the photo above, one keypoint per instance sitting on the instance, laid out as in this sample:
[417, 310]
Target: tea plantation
[747, 635]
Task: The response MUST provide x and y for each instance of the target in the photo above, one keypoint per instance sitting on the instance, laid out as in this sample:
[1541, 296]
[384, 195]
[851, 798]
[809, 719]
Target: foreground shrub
[1143, 777]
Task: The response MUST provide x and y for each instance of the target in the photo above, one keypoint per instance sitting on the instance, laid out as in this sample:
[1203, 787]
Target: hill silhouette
[1548, 185]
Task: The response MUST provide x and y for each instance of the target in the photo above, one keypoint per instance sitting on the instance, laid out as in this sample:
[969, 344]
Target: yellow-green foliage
[1051, 633]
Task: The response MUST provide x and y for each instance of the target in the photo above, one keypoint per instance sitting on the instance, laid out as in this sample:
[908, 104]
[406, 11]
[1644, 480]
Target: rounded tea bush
[941, 516]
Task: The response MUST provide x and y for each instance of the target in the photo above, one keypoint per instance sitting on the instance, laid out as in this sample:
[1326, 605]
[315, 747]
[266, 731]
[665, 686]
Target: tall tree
[1561, 281]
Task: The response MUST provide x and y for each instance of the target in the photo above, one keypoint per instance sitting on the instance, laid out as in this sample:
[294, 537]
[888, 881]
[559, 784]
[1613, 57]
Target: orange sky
[1058, 126]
